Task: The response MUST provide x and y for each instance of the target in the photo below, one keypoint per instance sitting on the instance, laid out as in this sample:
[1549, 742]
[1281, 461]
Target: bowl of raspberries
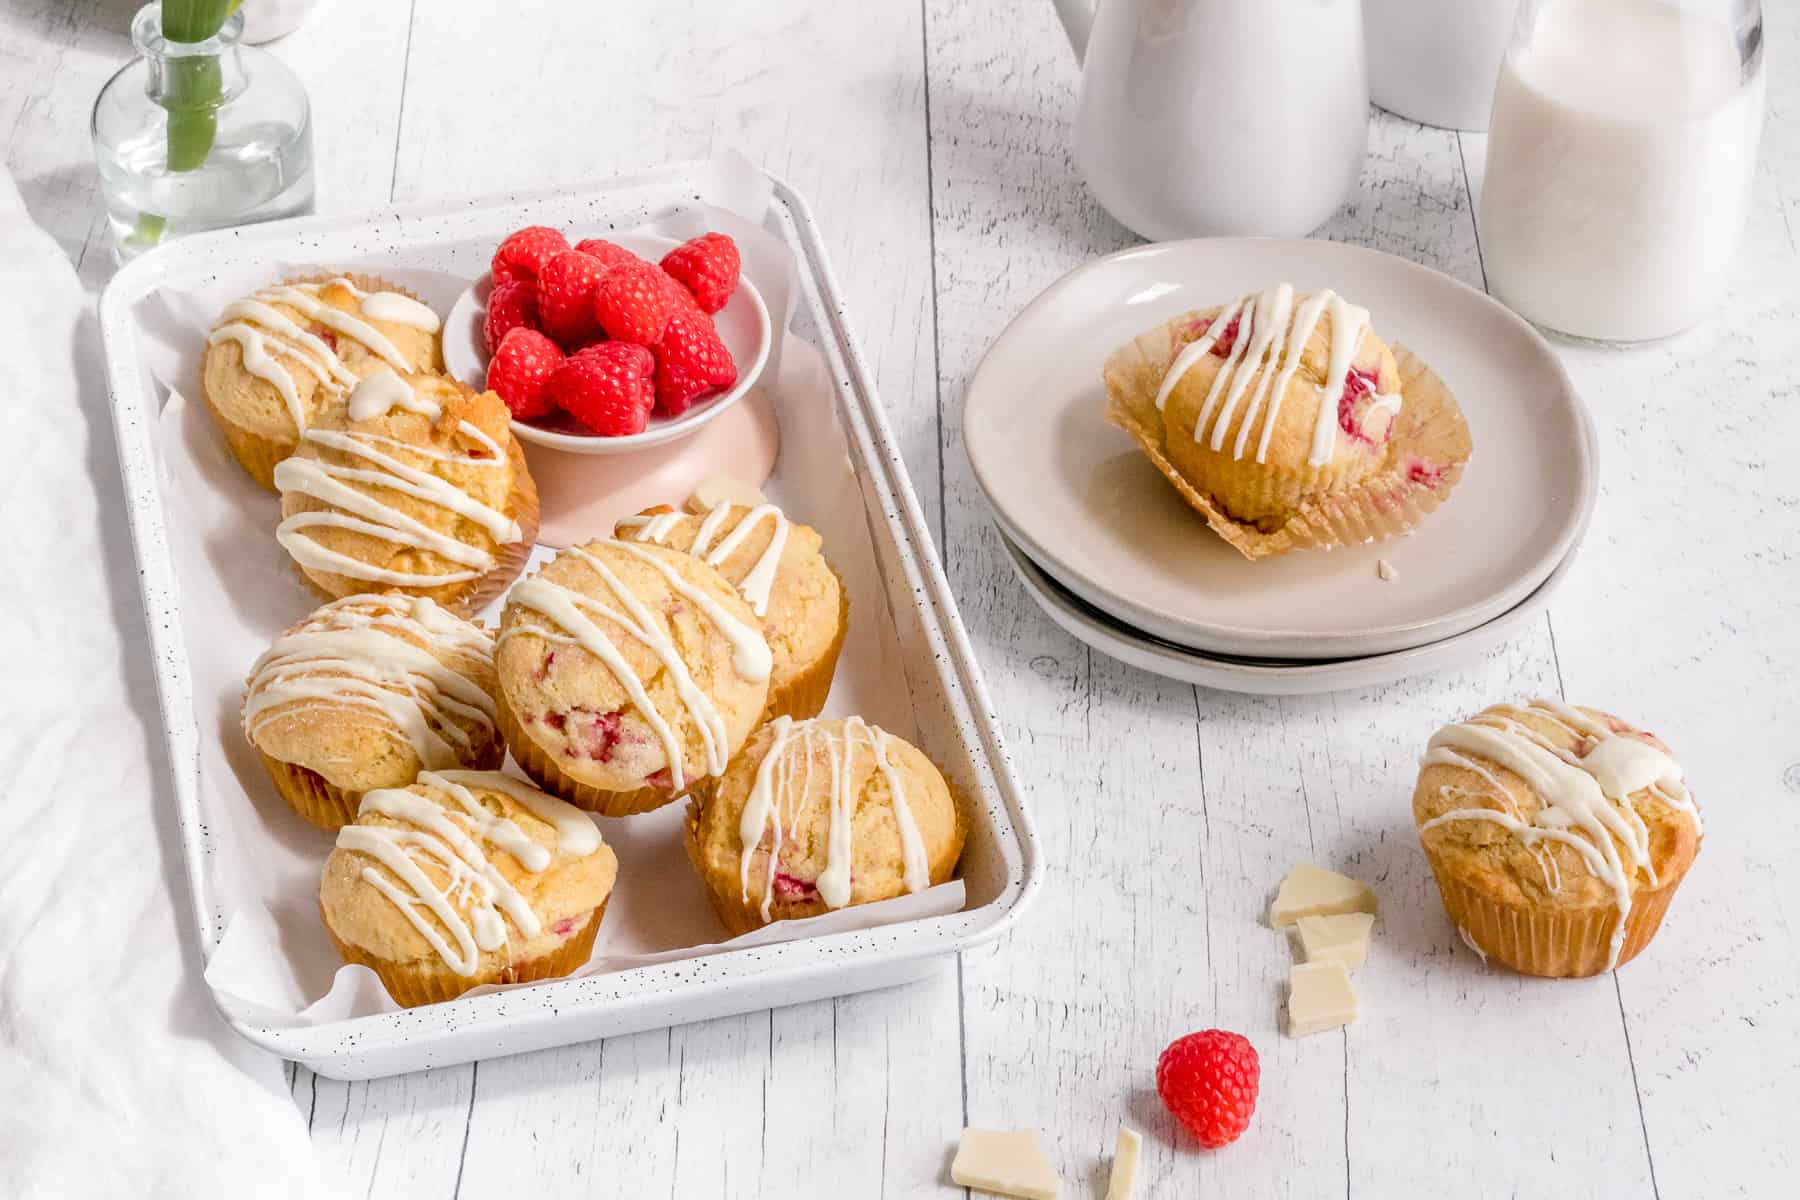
[611, 344]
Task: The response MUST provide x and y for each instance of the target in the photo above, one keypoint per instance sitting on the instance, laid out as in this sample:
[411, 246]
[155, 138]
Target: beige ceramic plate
[1079, 498]
[1268, 677]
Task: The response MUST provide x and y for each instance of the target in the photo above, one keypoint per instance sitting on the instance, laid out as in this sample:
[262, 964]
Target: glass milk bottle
[1619, 162]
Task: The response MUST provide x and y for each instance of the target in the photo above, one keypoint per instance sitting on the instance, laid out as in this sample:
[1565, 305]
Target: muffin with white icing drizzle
[1557, 834]
[630, 674]
[779, 569]
[365, 693]
[817, 815]
[462, 879]
[415, 485]
[1286, 421]
[276, 360]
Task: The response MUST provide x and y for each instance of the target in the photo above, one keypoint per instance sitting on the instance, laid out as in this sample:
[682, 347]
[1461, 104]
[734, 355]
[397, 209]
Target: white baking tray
[1001, 867]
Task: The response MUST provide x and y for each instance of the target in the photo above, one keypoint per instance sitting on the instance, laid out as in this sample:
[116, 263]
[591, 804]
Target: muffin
[1558, 835]
[817, 815]
[778, 568]
[629, 675]
[275, 361]
[462, 879]
[414, 485]
[1285, 420]
[366, 693]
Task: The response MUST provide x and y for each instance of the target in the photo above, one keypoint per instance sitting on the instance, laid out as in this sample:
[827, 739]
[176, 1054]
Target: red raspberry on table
[610, 253]
[523, 254]
[707, 266]
[566, 297]
[510, 306]
[1208, 1081]
[607, 388]
[691, 363]
[631, 304]
[520, 372]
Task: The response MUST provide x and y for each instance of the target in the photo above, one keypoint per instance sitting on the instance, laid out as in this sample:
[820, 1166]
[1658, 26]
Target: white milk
[1618, 169]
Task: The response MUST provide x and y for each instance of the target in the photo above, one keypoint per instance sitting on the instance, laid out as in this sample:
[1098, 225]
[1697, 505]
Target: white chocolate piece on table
[1319, 998]
[1124, 1167]
[1310, 891]
[1385, 570]
[719, 489]
[1005, 1162]
[1342, 938]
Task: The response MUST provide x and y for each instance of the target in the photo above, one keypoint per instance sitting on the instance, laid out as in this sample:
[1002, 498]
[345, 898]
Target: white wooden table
[933, 140]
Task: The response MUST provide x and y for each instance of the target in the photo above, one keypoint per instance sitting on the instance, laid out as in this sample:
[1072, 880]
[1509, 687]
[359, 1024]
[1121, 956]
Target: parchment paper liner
[1429, 430]
[258, 453]
[509, 560]
[1554, 943]
[430, 981]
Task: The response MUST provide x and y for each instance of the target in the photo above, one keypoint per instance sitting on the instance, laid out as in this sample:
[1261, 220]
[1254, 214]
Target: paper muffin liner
[547, 774]
[803, 696]
[1553, 943]
[430, 981]
[1428, 445]
[320, 802]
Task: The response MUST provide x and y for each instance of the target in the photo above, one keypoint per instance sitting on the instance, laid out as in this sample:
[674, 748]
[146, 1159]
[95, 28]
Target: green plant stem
[193, 86]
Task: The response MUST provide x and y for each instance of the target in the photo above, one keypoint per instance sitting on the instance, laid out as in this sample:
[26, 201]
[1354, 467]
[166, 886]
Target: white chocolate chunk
[1343, 938]
[1385, 569]
[1310, 891]
[719, 489]
[1124, 1168]
[1005, 1162]
[1319, 998]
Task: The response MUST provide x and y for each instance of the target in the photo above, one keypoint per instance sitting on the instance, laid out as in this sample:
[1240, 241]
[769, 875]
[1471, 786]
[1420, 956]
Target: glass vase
[201, 135]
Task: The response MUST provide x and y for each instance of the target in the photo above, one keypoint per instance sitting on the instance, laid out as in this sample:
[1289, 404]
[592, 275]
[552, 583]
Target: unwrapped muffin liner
[431, 981]
[1550, 942]
[259, 454]
[1429, 429]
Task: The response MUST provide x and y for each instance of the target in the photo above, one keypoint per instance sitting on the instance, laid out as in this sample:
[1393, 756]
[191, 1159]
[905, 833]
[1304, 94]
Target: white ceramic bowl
[743, 326]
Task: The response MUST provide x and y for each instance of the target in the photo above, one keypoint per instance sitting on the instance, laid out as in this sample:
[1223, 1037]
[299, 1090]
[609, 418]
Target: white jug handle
[1077, 18]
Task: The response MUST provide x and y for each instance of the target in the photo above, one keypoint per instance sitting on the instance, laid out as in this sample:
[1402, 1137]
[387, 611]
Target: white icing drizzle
[452, 838]
[263, 331]
[364, 511]
[1271, 341]
[381, 653]
[771, 785]
[564, 607]
[758, 581]
[1584, 799]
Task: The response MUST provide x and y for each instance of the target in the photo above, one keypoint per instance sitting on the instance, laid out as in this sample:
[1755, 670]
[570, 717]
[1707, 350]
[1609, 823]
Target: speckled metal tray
[1001, 868]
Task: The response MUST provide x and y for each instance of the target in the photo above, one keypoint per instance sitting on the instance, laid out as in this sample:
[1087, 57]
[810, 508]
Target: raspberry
[691, 363]
[1208, 1081]
[511, 306]
[707, 266]
[523, 254]
[1427, 474]
[566, 297]
[610, 253]
[607, 388]
[1227, 338]
[1357, 384]
[680, 299]
[520, 372]
[631, 304]
[791, 887]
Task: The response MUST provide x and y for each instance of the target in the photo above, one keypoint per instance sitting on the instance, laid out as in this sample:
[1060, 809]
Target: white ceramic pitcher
[1203, 117]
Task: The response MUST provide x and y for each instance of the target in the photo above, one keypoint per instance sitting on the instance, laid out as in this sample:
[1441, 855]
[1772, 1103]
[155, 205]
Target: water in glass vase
[198, 136]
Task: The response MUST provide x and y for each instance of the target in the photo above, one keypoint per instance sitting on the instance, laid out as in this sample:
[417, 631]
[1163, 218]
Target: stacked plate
[1111, 553]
